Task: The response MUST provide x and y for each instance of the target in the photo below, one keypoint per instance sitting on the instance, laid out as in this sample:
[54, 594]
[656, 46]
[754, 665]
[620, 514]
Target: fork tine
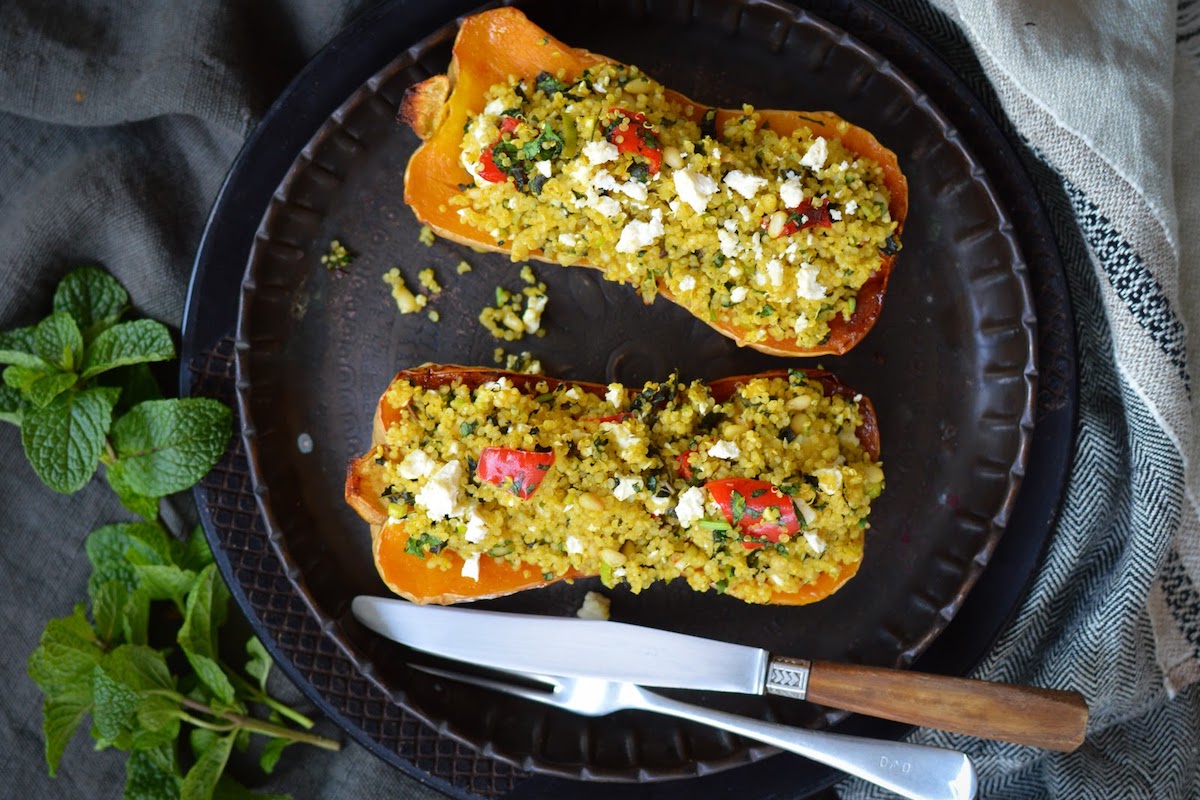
[542, 696]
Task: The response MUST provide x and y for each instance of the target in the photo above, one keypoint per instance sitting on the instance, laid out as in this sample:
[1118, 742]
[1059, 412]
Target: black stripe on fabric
[1133, 283]
[1183, 599]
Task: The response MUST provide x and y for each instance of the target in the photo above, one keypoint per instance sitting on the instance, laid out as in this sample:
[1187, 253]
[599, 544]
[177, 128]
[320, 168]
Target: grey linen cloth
[119, 120]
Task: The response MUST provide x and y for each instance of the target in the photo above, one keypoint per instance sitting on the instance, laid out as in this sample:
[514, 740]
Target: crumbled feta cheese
[851, 207]
[694, 189]
[816, 155]
[730, 225]
[600, 152]
[829, 479]
[738, 294]
[627, 486]
[567, 239]
[745, 212]
[532, 316]
[494, 107]
[543, 167]
[716, 153]
[842, 167]
[730, 246]
[626, 439]
[735, 272]
[807, 285]
[470, 568]
[658, 505]
[615, 395]
[439, 496]
[415, 465]
[835, 215]
[637, 234]
[477, 527]
[634, 190]
[687, 283]
[806, 511]
[595, 606]
[791, 192]
[815, 542]
[690, 508]
[573, 545]
[674, 206]
[725, 449]
[744, 183]
[760, 279]
[573, 393]
[606, 206]
[775, 272]
[801, 323]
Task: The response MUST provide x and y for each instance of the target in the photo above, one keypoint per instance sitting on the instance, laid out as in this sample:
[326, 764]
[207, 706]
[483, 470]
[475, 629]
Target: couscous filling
[764, 491]
[772, 233]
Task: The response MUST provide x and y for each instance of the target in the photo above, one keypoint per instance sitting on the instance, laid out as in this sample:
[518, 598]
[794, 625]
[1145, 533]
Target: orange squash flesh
[409, 576]
[497, 44]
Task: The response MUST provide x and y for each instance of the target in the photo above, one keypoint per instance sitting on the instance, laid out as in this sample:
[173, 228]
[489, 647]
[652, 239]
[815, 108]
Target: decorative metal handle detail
[788, 677]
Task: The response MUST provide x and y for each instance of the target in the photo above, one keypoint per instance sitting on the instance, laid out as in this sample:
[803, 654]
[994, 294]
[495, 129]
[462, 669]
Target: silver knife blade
[577, 648]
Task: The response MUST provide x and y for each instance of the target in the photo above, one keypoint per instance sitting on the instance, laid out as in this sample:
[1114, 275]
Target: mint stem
[257, 695]
[260, 726]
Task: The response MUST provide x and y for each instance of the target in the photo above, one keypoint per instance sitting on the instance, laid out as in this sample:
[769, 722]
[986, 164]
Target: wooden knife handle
[1047, 718]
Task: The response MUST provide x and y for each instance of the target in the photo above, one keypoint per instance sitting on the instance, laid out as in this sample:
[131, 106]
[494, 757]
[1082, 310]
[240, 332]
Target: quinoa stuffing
[763, 492]
[772, 233]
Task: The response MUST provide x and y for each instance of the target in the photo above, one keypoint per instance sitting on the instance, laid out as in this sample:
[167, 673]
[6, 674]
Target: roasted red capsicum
[744, 503]
[631, 133]
[487, 160]
[520, 471]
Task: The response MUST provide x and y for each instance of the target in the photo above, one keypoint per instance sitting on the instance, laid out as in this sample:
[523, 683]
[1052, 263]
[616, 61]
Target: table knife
[1048, 718]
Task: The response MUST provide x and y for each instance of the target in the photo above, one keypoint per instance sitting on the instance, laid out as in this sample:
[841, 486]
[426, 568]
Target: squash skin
[408, 576]
[496, 44]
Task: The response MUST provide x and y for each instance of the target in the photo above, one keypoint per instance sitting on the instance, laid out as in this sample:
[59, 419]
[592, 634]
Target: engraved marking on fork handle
[788, 677]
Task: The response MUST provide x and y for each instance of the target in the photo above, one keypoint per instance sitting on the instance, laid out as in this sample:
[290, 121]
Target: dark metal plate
[949, 367]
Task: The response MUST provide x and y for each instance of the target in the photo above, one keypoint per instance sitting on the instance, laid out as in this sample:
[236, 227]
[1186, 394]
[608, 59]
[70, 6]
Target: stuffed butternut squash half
[481, 483]
[777, 228]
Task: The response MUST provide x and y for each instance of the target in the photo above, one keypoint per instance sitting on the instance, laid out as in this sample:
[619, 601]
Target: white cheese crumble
[494, 108]
[690, 508]
[744, 183]
[807, 285]
[470, 568]
[730, 246]
[816, 155]
[627, 486]
[532, 316]
[829, 479]
[738, 294]
[415, 465]
[615, 395]
[815, 542]
[791, 192]
[573, 545]
[801, 323]
[543, 167]
[637, 234]
[725, 449]
[477, 527]
[806, 511]
[567, 239]
[775, 272]
[835, 215]
[851, 207]
[687, 283]
[694, 189]
[606, 206]
[600, 152]
[439, 496]
[745, 212]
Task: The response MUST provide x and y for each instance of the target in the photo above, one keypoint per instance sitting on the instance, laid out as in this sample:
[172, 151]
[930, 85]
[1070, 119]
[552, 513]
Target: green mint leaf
[21, 378]
[11, 405]
[63, 441]
[139, 667]
[61, 666]
[259, 665]
[271, 752]
[152, 774]
[137, 617]
[48, 387]
[207, 607]
[128, 343]
[114, 706]
[194, 554]
[58, 342]
[158, 721]
[92, 297]
[201, 780]
[17, 347]
[111, 548]
[145, 507]
[108, 610]
[166, 446]
[165, 582]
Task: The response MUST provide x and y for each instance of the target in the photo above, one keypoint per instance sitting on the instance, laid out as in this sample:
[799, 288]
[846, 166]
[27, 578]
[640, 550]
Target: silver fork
[910, 770]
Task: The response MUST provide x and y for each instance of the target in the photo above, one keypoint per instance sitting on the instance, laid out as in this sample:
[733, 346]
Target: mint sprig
[143, 657]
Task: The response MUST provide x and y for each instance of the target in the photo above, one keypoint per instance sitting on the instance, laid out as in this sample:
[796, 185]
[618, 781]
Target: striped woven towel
[1106, 97]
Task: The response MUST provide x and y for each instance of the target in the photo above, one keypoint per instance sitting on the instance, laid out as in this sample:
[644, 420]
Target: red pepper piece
[487, 162]
[619, 417]
[743, 502]
[814, 217]
[636, 135]
[521, 471]
[683, 464]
